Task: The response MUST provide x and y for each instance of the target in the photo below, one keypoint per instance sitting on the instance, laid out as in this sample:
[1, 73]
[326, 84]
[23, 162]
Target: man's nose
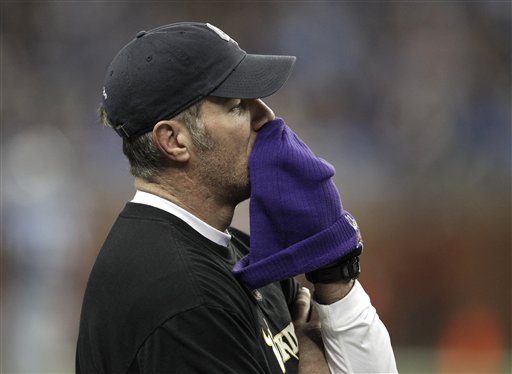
[261, 114]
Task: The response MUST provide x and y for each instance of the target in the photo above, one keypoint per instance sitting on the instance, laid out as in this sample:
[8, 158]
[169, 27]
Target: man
[175, 289]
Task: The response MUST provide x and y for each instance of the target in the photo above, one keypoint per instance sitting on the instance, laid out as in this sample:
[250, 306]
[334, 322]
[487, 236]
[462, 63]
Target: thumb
[301, 309]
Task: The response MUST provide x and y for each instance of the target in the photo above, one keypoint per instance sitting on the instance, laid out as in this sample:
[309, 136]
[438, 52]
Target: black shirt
[162, 298]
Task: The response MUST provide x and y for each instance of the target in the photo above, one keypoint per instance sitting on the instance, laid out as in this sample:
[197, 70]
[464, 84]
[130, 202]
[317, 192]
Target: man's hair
[146, 159]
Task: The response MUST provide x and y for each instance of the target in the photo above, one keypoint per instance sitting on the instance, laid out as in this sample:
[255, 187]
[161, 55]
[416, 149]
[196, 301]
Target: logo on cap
[220, 33]
[354, 224]
[352, 221]
[104, 93]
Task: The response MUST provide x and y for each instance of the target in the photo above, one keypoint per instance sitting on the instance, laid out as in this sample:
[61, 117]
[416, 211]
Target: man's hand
[307, 328]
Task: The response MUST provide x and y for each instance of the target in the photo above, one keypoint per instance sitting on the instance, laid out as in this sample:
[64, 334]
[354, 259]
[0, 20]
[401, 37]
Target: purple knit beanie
[297, 221]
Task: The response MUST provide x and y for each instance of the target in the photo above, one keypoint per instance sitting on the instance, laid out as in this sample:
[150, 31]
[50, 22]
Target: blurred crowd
[410, 101]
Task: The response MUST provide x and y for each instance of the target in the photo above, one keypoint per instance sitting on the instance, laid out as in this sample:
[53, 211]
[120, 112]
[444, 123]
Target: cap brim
[256, 76]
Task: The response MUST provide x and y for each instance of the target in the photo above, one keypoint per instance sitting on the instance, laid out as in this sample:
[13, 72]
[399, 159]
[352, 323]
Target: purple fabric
[297, 220]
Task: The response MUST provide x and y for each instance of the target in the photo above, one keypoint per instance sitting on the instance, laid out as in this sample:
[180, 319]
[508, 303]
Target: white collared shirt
[209, 232]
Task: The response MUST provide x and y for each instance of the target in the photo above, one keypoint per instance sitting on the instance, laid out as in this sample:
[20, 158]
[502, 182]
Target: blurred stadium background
[409, 100]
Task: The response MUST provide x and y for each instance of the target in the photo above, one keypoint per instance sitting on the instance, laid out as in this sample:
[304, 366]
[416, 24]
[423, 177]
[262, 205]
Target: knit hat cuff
[331, 244]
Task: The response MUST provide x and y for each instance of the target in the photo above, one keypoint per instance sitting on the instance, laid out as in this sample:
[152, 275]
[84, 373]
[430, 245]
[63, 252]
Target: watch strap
[346, 268]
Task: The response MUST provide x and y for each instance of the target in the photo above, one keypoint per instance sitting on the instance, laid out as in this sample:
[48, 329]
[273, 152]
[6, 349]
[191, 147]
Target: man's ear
[173, 140]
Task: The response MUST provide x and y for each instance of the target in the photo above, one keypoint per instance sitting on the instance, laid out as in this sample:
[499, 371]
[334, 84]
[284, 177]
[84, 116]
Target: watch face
[352, 269]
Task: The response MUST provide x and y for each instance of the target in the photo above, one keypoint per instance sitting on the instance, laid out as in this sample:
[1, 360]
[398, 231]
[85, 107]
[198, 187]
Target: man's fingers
[307, 325]
[302, 306]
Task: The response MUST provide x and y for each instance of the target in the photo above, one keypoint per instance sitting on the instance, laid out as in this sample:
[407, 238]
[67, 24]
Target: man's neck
[198, 200]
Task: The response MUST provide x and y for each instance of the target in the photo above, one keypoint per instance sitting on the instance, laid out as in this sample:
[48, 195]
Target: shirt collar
[209, 232]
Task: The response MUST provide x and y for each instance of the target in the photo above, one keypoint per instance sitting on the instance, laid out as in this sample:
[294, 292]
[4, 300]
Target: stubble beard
[228, 181]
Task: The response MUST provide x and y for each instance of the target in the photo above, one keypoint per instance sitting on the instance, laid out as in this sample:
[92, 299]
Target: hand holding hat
[297, 221]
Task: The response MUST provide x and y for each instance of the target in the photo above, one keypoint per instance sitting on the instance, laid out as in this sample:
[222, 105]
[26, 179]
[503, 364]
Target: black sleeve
[204, 339]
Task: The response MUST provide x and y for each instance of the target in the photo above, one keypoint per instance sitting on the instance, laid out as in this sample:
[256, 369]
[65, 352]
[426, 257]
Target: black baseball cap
[164, 71]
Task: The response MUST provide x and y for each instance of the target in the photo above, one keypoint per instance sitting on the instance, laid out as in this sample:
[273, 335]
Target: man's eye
[238, 108]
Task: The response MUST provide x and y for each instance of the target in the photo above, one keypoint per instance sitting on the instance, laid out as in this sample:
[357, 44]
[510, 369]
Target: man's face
[232, 126]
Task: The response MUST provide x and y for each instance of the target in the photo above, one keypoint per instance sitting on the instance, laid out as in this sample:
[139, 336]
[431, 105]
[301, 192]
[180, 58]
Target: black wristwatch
[346, 268]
